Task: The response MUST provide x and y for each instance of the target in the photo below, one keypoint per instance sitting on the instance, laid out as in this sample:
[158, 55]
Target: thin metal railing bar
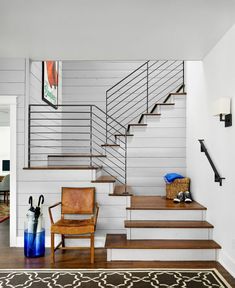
[60, 112]
[110, 117]
[59, 139]
[171, 84]
[84, 126]
[136, 103]
[140, 81]
[108, 151]
[48, 146]
[62, 119]
[131, 79]
[171, 71]
[166, 87]
[127, 76]
[145, 104]
[56, 132]
[103, 127]
[115, 158]
[129, 83]
[123, 93]
[104, 168]
[115, 106]
[139, 88]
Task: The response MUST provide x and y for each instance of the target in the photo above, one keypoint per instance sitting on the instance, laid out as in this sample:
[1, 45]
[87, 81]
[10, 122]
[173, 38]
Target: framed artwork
[50, 82]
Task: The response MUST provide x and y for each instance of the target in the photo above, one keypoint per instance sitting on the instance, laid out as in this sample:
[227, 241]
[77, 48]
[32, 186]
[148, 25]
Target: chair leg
[92, 248]
[63, 242]
[52, 248]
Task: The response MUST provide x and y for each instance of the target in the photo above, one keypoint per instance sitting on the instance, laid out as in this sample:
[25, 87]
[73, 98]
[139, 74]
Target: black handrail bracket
[218, 178]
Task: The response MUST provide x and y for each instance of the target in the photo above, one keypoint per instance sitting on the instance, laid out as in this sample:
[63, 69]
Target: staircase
[83, 137]
[158, 229]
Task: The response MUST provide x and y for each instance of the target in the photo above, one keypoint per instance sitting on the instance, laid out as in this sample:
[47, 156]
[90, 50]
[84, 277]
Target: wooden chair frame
[83, 235]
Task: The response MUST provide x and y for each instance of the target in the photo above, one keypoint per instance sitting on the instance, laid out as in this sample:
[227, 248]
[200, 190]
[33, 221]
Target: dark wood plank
[161, 104]
[121, 135]
[135, 125]
[122, 190]
[71, 155]
[161, 203]
[62, 168]
[110, 145]
[167, 224]
[104, 179]
[148, 114]
[119, 241]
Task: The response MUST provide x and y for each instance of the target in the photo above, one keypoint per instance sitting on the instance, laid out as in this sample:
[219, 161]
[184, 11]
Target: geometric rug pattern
[113, 278]
[4, 212]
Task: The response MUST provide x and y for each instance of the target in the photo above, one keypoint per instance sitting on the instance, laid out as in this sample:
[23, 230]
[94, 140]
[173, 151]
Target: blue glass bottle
[34, 237]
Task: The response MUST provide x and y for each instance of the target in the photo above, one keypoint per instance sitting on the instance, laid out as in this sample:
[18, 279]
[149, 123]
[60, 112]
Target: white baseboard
[99, 242]
[227, 262]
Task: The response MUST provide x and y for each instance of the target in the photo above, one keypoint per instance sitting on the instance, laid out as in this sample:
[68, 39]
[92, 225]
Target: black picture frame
[50, 91]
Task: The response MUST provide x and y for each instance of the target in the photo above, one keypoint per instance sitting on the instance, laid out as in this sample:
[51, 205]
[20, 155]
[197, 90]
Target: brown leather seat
[75, 201]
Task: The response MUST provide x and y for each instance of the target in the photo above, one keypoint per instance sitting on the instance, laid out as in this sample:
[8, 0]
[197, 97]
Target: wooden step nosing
[62, 168]
[168, 208]
[170, 225]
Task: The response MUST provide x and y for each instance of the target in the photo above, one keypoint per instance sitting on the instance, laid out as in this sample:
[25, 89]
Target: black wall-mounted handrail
[218, 178]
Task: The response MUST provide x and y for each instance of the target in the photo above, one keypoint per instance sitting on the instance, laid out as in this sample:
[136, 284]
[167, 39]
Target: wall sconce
[222, 109]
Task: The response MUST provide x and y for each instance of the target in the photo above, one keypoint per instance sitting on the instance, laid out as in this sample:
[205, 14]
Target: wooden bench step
[148, 114]
[104, 179]
[136, 125]
[110, 145]
[161, 104]
[119, 241]
[167, 224]
[63, 168]
[75, 155]
[161, 203]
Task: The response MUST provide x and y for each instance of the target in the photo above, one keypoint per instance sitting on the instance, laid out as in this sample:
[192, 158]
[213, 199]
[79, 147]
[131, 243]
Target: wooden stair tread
[161, 203]
[119, 241]
[69, 155]
[166, 224]
[117, 135]
[104, 179]
[148, 114]
[136, 125]
[178, 93]
[110, 145]
[120, 190]
[161, 104]
[63, 168]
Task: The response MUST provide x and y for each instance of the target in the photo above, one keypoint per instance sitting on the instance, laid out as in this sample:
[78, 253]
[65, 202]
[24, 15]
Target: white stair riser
[168, 233]
[162, 254]
[189, 215]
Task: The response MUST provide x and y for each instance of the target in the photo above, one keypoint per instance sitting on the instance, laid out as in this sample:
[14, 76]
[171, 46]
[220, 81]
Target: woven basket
[176, 186]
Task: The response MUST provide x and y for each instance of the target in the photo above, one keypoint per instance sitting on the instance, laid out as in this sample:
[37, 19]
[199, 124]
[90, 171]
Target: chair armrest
[49, 210]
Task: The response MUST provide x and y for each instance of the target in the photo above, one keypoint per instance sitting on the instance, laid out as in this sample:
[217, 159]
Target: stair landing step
[110, 145]
[161, 203]
[70, 155]
[167, 224]
[104, 179]
[119, 241]
[62, 168]
[119, 135]
[122, 190]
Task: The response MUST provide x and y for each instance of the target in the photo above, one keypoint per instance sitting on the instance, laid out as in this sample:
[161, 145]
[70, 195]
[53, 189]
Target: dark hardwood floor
[13, 258]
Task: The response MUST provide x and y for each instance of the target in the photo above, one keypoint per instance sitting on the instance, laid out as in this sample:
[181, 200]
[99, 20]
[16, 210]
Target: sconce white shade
[222, 106]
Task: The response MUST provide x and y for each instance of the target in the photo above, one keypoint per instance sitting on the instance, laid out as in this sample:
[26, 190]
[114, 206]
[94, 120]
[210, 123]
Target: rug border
[216, 272]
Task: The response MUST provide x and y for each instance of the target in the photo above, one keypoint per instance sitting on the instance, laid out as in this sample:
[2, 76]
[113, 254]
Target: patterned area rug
[112, 278]
[4, 212]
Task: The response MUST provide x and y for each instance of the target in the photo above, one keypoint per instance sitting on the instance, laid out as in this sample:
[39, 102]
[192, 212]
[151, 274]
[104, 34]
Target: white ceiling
[113, 29]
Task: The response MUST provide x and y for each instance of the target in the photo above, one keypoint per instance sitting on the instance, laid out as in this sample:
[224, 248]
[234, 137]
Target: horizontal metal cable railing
[138, 92]
[75, 135]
